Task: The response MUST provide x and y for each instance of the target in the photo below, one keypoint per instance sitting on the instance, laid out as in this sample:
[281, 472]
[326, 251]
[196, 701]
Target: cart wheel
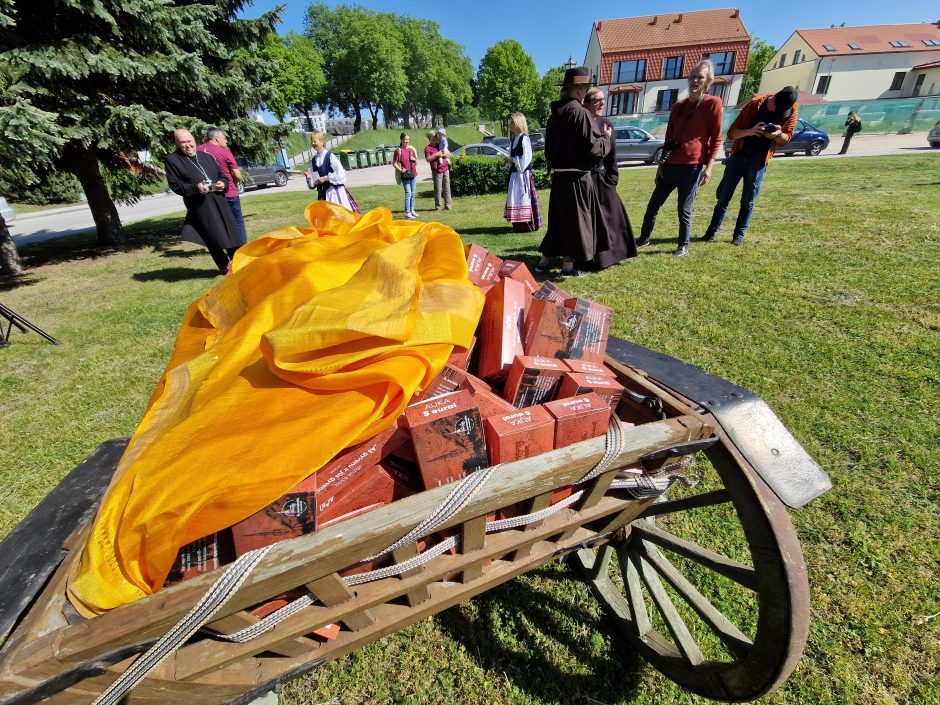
[709, 587]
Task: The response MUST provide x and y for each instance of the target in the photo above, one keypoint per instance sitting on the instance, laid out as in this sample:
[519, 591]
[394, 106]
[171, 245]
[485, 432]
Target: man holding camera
[765, 122]
[197, 178]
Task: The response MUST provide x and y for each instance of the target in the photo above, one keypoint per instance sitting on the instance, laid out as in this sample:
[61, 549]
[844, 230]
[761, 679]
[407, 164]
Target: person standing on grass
[522, 204]
[196, 177]
[330, 180]
[695, 126]
[853, 125]
[216, 144]
[437, 159]
[405, 161]
[620, 242]
[765, 123]
[573, 145]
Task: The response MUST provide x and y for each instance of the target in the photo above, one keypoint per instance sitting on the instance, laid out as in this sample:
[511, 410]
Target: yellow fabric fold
[316, 341]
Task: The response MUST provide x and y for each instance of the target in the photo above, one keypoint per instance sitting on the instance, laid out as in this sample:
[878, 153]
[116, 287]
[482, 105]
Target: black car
[256, 174]
[538, 140]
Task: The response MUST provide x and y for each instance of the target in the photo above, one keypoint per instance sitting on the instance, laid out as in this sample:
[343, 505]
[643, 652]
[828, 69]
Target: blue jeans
[685, 178]
[236, 205]
[751, 169]
[409, 185]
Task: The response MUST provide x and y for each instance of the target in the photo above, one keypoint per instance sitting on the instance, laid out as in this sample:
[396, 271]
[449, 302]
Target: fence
[896, 116]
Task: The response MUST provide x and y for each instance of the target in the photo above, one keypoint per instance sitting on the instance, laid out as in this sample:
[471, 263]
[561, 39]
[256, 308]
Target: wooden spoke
[730, 568]
[738, 644]
[631, 580]
[706, 499]
[680, 633]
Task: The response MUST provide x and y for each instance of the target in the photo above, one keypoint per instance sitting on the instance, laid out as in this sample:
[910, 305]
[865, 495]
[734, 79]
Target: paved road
[63, 222]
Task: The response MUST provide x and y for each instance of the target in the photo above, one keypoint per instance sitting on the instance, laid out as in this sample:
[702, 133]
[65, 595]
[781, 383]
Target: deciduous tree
[549, 91]
[760, 55]
[508, 81]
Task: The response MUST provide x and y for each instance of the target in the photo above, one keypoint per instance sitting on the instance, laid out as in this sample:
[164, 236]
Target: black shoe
[707, 237]
[681, 251]
[642, 241]
[542, 268]
[738, 240]
[574, 273]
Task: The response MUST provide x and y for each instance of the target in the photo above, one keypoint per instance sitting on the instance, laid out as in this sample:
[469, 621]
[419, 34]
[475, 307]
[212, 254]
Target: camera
[771, 127]
[207, 183]
[669, 146]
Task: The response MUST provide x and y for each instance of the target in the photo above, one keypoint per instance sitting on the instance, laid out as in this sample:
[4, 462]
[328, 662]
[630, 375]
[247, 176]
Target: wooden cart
[628, 542]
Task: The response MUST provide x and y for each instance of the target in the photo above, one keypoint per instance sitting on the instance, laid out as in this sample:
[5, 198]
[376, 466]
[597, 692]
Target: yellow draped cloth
[316, 341]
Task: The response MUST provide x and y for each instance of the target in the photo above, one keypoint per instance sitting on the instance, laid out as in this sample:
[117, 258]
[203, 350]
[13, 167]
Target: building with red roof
[643, 63]
[859, 63]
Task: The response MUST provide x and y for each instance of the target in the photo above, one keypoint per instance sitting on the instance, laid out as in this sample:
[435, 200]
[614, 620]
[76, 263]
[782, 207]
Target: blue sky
[550, 30]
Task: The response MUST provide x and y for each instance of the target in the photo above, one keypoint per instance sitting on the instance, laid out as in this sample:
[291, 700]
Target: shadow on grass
[532, 618]
[175, 274]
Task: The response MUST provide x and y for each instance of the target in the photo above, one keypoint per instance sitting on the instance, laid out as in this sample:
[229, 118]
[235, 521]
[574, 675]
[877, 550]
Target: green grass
[369, 139]
[830, 312]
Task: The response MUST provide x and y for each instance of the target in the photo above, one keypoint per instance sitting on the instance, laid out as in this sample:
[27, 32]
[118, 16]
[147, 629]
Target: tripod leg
[19, 321]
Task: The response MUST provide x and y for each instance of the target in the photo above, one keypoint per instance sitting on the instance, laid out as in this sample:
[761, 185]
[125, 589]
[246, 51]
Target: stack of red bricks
[533, 380]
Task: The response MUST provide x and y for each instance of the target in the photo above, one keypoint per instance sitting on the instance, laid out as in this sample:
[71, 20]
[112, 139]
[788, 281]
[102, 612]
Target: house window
[898, 81]
[719, 90]
[623, 103]
[917, 86]
[829, 47]
[665, 99]
[672, 67]
[823, 86]
[898, 43]
[630, 71]
[854, 47]
[796, 56]
[783, 60]
[724, 62]
[931, 42]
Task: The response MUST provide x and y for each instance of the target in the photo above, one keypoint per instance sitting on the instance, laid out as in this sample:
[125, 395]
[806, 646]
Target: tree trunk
[375, 116]
[357, 125]
[84, 164]
[405, 119]
[444, 119]
[9, 259]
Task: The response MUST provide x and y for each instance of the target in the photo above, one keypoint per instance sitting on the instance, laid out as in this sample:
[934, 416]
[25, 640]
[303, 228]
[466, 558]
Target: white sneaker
[410, 216]
[414, 214]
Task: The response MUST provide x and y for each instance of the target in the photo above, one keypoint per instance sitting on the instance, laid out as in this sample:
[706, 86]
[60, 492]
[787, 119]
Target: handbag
[412, 172]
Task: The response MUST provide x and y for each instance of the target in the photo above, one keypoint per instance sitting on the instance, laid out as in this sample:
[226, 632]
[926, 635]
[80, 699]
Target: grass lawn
[830, 312]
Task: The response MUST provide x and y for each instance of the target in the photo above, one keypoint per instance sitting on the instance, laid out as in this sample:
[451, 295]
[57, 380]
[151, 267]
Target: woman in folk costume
[620, 241]
[329, 176]
[522, 203]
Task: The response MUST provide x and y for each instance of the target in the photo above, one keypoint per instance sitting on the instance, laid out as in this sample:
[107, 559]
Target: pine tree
[86, 84]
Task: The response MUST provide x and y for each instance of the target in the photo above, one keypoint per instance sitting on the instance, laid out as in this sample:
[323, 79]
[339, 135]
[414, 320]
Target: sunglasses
[596, 100]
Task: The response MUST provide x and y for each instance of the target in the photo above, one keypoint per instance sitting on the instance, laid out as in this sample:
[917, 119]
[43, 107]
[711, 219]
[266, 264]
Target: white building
[643, 63]
[859, 63]
[315, 121]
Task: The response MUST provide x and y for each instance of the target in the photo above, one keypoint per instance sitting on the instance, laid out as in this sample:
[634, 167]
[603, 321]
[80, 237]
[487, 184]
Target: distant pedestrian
[853, 125]
[328, 175]
[765, 123]
[620, 242]
[405, 161]
[573, 144]
[522, 203]
[437, 159]
[693, 138]
[197, 178]
[217, 145]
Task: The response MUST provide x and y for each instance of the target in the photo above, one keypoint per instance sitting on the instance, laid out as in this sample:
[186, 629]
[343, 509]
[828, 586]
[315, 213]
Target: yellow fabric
[316, 341]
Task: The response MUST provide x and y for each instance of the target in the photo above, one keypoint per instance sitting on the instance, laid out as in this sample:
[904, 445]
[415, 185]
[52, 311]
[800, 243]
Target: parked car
[807, 138]
[635, 143]
[6, 210]
[538, 140]
[501, 142]
[255, 174]
[480, 150]
[933, 137]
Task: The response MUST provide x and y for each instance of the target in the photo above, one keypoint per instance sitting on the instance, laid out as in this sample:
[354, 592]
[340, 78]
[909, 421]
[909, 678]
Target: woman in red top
[694, 132]
[405, 161]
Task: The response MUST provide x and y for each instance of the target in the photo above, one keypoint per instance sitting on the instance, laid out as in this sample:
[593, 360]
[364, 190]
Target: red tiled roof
[804, 98]
[928, 65]
[872, 40]
[670, 30]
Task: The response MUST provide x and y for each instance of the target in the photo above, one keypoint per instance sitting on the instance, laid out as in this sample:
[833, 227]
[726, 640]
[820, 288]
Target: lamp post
[569, 64]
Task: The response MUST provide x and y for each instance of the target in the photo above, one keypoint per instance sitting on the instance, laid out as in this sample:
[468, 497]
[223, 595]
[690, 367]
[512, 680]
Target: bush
[53, 187]
[474, 176]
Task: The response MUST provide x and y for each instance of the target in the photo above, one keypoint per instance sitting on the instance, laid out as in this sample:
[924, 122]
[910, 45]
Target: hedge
[474, 176]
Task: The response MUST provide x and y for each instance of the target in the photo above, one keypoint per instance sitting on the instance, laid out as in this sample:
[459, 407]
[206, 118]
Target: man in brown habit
[574, 144]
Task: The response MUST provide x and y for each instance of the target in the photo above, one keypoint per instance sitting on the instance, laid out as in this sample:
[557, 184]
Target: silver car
[634, 143]
[933, 138]
[6, 210]
[480, 150]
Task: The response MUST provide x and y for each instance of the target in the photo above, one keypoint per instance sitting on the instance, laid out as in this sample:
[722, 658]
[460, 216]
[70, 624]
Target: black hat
[577, 75]
[785, 98]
